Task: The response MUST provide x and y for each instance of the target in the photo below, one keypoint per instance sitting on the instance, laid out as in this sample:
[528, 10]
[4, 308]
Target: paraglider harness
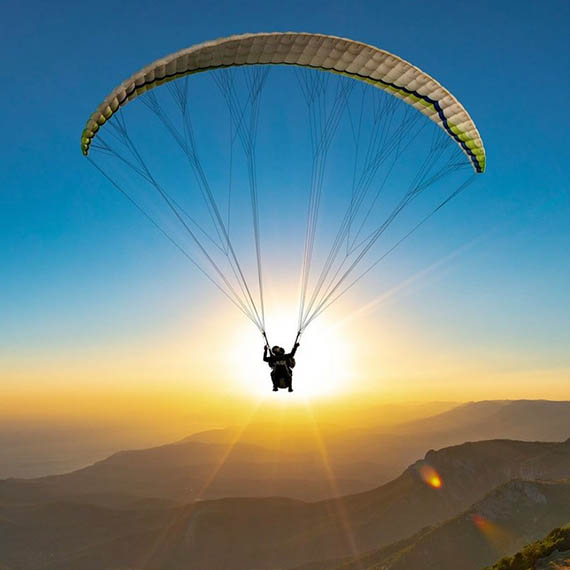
[282, 372]
[281, 364]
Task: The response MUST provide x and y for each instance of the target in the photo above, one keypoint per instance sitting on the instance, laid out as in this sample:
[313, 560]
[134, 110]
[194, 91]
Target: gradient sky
[91, 298]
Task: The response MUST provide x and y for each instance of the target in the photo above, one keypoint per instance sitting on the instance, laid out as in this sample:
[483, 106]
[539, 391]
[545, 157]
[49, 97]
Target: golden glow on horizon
[205, 369]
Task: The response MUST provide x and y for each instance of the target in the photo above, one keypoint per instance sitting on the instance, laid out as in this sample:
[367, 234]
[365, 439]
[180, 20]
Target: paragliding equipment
[406, 133]
[281, 365]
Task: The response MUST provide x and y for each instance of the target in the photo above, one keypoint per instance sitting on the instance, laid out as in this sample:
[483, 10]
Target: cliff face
[473, 469]
[508, 518]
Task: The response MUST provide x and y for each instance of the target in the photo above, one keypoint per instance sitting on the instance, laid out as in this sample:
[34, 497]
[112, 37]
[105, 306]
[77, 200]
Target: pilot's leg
[290, 383]
[275, 381]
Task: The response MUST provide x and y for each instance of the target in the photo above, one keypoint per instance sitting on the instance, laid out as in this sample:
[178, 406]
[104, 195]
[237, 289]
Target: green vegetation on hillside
[558, 539]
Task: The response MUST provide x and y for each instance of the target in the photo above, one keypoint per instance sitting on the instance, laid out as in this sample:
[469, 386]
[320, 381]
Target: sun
[324, 358]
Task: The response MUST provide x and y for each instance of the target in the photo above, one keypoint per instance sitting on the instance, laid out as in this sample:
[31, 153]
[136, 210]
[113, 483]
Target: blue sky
[80, 268]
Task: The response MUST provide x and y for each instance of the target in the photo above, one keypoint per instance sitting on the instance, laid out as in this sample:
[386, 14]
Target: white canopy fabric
[322, 52]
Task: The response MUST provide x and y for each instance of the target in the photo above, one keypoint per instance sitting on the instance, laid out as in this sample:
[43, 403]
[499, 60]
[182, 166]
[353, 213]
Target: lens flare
[494, 534]
[430, 476]
[480, 522]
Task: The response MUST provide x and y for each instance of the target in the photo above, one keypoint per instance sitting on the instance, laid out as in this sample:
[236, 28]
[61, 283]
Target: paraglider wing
[323, 52]
[384, 165]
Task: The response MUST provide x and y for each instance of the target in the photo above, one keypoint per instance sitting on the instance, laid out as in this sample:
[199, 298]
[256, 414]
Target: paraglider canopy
[327, 53]
[390, 135]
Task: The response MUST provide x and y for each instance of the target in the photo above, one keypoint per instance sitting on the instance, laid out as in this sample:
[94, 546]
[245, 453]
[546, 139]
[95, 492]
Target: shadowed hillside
[505, 520]
[190, 470]
[239, 534]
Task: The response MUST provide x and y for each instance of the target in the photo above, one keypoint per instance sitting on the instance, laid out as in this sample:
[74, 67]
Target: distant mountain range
[463, 506]
[306, 462]
[362, 459]
[532, 420]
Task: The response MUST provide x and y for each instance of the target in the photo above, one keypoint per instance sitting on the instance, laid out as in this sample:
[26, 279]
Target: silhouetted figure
[281, 365]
